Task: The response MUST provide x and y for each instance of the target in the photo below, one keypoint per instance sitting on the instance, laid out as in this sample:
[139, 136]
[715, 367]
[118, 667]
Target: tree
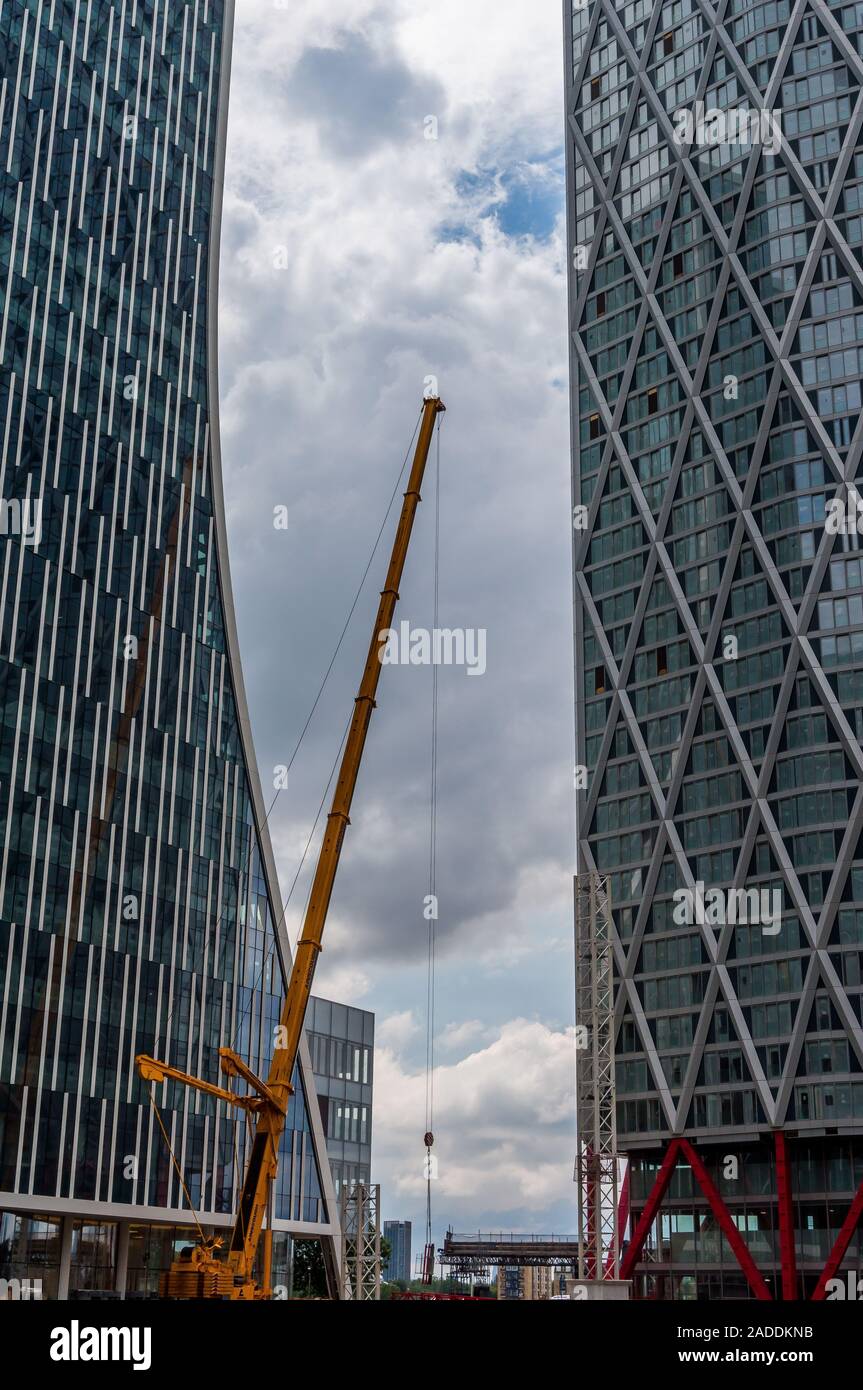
[310, 1276]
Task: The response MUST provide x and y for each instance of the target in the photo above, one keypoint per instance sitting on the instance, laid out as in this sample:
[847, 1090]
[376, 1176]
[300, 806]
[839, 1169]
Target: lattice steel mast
[361, 1242]
[596, 1164]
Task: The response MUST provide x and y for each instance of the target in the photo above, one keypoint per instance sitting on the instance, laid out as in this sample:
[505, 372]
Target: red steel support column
[622, 1218]
[787, 1252]
[592, 1223]
[843, 1240]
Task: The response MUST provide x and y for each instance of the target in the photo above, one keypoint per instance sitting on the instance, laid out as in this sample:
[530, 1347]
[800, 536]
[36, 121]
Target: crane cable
[272, 946]
[245, 861]
[175, 1162]
[432, 908]
[286, 904]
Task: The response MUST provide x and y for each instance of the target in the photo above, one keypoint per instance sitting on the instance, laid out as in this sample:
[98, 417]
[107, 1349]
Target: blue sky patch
[525, 199]
[534, 197]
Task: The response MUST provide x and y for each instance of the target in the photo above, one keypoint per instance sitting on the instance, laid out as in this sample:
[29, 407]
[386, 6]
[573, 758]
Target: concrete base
[600, 1290]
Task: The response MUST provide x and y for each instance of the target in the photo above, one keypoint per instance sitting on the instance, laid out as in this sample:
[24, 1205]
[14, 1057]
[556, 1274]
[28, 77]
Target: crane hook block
[429, 1139]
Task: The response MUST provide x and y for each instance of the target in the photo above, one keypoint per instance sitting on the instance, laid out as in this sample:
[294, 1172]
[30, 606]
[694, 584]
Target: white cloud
[456, 1035]
[504, 1134]
[396, 1030]
[347, 984]
[397, 264]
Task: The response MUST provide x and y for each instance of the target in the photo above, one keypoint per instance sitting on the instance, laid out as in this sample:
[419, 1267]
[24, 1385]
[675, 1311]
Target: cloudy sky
[359, 257]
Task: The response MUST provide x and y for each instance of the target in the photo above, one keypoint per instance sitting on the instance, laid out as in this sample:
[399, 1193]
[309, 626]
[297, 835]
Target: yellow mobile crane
[204, 1273]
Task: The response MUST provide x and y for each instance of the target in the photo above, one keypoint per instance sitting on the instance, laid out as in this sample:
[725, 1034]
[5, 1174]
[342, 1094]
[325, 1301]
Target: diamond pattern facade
[716, 326]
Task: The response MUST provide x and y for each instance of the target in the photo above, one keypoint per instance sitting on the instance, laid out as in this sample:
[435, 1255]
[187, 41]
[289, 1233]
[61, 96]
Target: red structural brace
[843, 1240]
[651, 1207]
[788, 1260]
[676, 1148]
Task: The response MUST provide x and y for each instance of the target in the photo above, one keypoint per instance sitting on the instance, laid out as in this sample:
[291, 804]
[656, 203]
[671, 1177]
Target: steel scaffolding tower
[360, 1209]
[596, 1164]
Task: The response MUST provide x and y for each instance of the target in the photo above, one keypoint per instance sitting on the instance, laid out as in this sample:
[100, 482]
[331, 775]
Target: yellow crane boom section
[206, 1275]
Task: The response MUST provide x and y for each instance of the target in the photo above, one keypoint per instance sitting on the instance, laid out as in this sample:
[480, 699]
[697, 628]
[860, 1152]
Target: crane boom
[272, 1101]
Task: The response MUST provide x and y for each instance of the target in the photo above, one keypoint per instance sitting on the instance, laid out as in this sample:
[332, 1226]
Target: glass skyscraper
[341, 1041]
[715, 215]
[398, 1266]
[139, 903]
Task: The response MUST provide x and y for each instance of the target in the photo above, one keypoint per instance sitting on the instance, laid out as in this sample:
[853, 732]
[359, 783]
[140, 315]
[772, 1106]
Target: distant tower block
[596, 1164]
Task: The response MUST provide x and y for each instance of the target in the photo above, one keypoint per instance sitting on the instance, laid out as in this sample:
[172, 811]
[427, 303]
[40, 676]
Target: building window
[93, 1255]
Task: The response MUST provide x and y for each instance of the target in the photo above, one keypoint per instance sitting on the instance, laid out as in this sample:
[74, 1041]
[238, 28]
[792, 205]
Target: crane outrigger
[204, 1272]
